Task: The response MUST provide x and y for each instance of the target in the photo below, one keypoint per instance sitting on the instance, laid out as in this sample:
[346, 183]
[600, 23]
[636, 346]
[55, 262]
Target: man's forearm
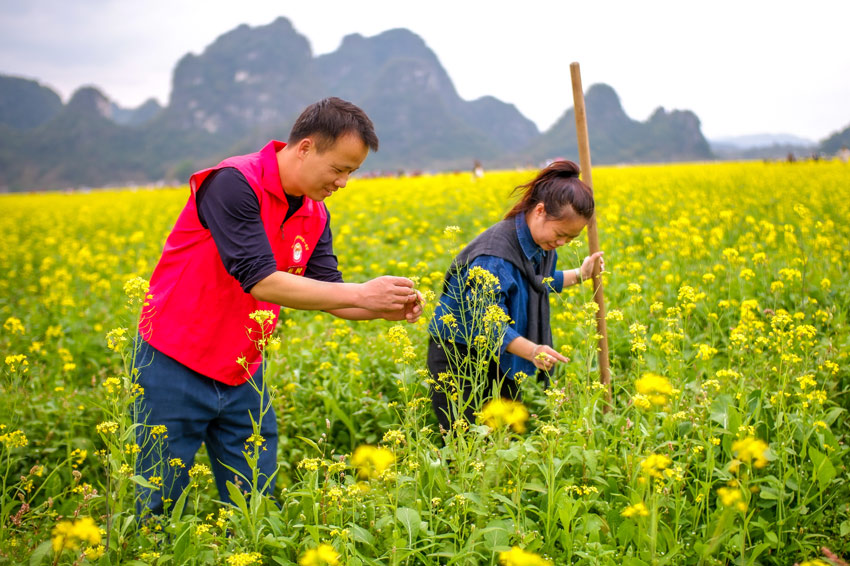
[297, 292]
[355, 313]
[385, 294]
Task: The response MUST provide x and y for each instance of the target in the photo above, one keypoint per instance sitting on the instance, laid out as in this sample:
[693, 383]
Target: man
[254, 235]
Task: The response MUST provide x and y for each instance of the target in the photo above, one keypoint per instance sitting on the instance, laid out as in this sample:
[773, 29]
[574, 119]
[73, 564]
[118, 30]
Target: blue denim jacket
[512, 298]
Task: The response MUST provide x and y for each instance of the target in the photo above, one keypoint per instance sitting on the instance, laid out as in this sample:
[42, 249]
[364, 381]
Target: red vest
[199, 314]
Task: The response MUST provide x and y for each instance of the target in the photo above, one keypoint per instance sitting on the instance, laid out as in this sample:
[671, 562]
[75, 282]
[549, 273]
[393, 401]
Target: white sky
[743, 66]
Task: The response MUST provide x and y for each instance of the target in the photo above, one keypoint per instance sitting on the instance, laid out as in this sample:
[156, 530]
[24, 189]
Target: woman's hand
[544, 357]
[592, 265]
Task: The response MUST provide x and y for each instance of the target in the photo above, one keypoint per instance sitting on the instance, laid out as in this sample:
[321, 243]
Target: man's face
[322, 173]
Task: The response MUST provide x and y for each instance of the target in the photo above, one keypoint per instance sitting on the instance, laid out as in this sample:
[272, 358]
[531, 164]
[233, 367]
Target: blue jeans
[196, 409]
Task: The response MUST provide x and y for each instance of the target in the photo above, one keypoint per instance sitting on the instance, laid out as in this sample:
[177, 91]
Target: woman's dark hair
[329, 119]
[556, 186]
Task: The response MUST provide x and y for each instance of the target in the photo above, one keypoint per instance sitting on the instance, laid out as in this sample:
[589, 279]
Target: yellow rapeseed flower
[93, 554]
[17, 362]
[519, 557]
[69, 534]
[199, 471]
[322, 555]
[641, 402]
[751, 450]
[13, 325]
[371, 461]
[136, 290]
[107, 427]
[159, 430]
[116, 338]
[481, 278]
[495, 316]
[731, 496]
[655, 388]
[14, 439]
[245, 559]
[637, 510]
[655, 464]
[504, 412]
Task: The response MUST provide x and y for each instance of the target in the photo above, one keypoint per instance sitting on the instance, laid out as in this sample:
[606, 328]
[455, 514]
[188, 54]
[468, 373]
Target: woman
[511, 266]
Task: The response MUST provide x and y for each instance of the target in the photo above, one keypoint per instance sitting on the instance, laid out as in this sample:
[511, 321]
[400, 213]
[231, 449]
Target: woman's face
[550, 233]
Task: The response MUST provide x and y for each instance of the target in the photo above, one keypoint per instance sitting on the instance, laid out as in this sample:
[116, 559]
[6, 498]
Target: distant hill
[762, 146]
[25, 104]
[616, 138]
[250, 84]
[762, 140]
[832, 144]
[135, 116]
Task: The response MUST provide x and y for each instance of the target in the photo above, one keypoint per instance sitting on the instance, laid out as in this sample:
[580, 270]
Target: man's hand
[388, 294]
[411, 311]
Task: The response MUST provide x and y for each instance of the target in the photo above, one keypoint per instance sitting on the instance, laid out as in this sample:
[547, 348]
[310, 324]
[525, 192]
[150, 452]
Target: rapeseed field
[725, 440]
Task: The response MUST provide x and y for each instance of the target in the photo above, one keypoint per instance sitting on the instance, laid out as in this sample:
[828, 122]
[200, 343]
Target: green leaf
[179, 505]
[182, 543]
[508, 455]
[142, 482]
[333, 406]
[237, 498]
[536, 486]
[824, 470]
[37, 557]
[755, 552]
[496, 534]
[359, 534]
[311, 443]
[507, 501]
[410, 519]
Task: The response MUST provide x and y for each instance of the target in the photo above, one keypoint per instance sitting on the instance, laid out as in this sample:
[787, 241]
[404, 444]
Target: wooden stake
[592, 237]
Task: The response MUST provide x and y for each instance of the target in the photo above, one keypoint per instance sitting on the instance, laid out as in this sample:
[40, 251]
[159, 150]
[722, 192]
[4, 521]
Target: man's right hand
[387, 294]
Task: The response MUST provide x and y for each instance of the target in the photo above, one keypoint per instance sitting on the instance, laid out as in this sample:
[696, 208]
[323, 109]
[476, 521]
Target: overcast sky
[743, 66]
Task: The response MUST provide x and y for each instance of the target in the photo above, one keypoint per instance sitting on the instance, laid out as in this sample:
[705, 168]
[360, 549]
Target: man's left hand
[411, 311]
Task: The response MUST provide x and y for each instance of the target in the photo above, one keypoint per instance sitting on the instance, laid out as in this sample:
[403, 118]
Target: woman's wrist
[579, 278]
[535, 351]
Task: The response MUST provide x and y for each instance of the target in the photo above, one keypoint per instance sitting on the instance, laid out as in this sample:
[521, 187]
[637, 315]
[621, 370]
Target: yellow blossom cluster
[655, 465]
[245, 559]
[498, 413]
[731, 496]
[13, 439]
[322, 555]
[371, 461]
[70, 534]
[405, 352]
[654, 389]
[636, 510]
[751, 450]
[519, 557]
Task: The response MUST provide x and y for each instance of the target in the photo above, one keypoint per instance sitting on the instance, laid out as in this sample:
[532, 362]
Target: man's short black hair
[329, 119]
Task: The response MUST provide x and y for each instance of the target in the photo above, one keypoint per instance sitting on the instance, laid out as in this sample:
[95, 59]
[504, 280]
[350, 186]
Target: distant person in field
[520, 252]
[254, 235]
[844, 154]
[477, 170]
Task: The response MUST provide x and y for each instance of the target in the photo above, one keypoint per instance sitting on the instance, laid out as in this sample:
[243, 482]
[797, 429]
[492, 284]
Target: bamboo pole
[592, 236]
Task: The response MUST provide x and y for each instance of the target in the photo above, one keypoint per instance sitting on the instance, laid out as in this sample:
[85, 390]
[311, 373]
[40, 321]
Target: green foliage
[717, 285]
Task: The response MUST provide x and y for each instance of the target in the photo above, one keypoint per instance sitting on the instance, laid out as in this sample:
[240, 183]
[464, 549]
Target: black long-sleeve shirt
[229, 208]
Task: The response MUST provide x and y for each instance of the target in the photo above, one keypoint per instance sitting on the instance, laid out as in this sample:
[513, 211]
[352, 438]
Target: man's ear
[304, 147]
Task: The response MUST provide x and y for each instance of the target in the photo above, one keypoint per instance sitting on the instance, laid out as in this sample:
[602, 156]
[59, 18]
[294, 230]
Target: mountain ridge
[250, 84]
